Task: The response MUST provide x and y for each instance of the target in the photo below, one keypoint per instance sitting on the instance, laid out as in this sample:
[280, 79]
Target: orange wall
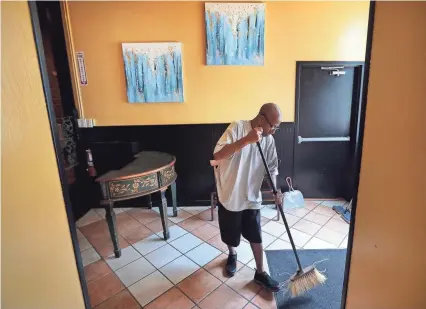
[294, 31]
[38, 264]
[388, 268]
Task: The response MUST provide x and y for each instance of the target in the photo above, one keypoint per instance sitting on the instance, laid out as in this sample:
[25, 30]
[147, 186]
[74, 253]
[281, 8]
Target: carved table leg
[110, 218]
[163, 214]
[174, 199]
[149, 201]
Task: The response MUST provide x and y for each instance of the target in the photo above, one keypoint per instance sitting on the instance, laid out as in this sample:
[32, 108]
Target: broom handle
[274, 190]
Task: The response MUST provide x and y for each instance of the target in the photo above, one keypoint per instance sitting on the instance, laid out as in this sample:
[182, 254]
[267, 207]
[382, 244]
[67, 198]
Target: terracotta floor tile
[310, 205]
[192, 223]
[265, 300]
[156, 225]
[97, 233]
[251, 306]
[214, 223]
[206, 215]
[104, 288]
[144, 216]
[96, 270]
[243, 283]
[217, 242]
[206, 232]
[199, 285]
[126, 223]
[172, 299]
[123, 300]
[107, 248]
[137, 234]
[217, 267]
[223, 298]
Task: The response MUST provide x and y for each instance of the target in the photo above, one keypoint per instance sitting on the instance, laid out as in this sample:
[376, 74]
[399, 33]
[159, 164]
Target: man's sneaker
[231, 264]
[266, 281]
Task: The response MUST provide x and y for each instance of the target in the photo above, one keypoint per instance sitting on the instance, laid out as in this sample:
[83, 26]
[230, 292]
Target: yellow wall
[389, 255]
[38, 265]
[294, 31]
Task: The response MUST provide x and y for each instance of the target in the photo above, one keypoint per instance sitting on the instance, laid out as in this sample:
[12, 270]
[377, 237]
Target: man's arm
[228, 150]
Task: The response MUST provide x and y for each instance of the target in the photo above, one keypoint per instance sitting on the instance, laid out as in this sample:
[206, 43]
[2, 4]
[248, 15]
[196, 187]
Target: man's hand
[279, 198]
[254, 135]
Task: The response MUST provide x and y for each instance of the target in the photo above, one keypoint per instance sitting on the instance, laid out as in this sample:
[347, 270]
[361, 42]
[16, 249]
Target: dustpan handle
[274, 190]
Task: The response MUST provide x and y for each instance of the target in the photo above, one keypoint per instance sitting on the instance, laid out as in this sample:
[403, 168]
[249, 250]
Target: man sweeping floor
[239, 175]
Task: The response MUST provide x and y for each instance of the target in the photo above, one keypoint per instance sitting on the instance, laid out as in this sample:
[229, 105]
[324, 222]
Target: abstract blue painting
[153, 72]
[235, 33]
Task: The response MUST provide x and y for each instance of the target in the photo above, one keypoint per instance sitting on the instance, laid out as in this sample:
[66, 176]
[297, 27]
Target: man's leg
[230, 232]
[258, 256]
[251, 230]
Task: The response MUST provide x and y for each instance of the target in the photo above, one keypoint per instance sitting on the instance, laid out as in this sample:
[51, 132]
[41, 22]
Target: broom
[305, 278]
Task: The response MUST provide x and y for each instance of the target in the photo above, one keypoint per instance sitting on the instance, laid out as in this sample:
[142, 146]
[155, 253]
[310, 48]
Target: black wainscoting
[192, 145]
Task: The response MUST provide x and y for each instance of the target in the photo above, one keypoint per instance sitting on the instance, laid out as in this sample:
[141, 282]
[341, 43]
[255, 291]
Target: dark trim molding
[55, 137]
[359, 145]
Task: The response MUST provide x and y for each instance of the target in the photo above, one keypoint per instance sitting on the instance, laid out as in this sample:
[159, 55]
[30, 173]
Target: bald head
[271, 111]
[269, 118]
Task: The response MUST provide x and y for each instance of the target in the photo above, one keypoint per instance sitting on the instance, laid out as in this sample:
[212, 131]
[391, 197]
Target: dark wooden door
[327, 100]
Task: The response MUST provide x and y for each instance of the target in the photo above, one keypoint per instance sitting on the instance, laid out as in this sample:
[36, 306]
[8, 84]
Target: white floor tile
[267, 239]
[149, 244]
[324, 210]
[316, 243]
[150, 288]
[330, 236]
[101, 211]
[79, 234]
[279, 244]
[298, 212]
[179, 269]
[162, 256]
[88, 218]
[333, 203]
[175, 232]
[203, 254]
[252, 263]
[338, 225]
[169, 210]
[196, 209]
[135, 271]
[344, 243]
[89, 256]
[128, 255]
[274, 228]
[317, 218]
[299, 238]
[268, 211]
[291, 220]
[186, 242]
[83, 243]
[244, 252]
[307, 227]
[182, 215]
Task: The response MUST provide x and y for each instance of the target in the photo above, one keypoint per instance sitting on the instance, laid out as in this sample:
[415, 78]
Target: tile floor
[186, 271]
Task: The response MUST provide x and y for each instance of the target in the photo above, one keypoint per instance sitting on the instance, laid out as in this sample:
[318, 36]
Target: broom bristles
[303, 282]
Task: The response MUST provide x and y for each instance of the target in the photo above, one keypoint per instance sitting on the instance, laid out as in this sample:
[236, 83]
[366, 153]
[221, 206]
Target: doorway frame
[61, 168]
[57, 147]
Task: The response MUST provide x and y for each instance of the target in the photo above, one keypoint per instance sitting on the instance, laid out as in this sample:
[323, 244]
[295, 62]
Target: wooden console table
[150, 172]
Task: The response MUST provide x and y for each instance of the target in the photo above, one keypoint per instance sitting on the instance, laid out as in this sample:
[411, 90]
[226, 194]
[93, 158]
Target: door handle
[322, 139]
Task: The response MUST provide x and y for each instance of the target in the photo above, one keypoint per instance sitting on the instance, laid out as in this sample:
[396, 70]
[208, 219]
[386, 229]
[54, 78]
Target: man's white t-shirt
[239, 178]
